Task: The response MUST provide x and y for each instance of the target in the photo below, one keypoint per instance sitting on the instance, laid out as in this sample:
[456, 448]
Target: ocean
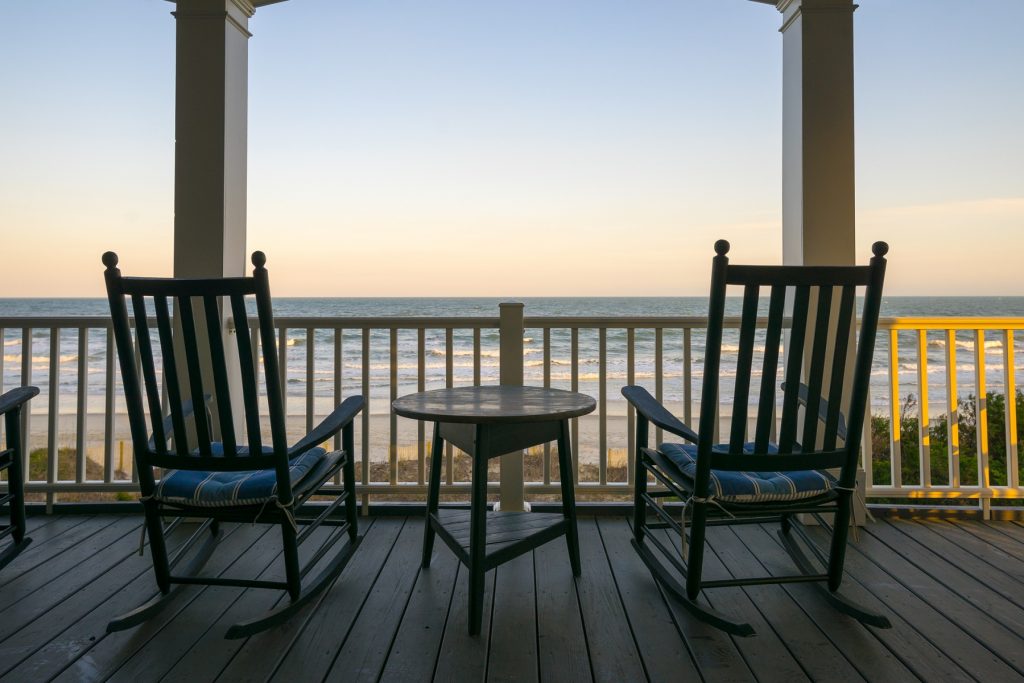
[462, 352]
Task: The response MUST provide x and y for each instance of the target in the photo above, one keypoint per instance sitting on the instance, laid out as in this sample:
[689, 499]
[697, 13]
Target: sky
[527, 148]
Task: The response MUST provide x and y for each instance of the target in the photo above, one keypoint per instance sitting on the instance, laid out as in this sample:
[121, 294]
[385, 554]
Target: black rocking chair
[223, 481]
[11, 405]
[764, 478]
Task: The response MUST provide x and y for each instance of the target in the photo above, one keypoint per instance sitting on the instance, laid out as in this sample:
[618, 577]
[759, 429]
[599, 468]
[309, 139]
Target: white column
[210, 130]
[511, 374]
[817, 132]
[818, 185]
[210, 133]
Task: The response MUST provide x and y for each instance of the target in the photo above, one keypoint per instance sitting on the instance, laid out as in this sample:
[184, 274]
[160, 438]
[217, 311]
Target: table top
[494, 404]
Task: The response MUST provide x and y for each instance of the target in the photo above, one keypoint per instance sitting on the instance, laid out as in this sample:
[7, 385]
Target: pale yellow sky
[423, 151]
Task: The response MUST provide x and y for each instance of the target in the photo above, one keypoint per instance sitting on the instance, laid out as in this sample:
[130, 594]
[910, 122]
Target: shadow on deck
[954, 591]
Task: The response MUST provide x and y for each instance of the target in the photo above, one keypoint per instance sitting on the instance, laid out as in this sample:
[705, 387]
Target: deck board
[952, 589]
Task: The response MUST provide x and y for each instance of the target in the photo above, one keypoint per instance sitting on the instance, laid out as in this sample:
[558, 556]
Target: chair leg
[840, 534]
[291, 560]
[695, 557]
[157, 546]
[477, 534]
[433, 494]
[349, 477]
[640, 482]
[565, 476]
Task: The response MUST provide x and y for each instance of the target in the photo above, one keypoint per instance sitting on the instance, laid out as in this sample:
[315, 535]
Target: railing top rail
[952, 323]
[539, 321]
[385, 322]
[63, 321]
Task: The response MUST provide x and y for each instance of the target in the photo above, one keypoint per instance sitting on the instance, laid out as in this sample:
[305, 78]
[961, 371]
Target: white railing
[87, 449]
[990, 368]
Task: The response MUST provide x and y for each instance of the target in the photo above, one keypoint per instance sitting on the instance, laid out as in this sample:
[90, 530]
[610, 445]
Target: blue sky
[512, 149]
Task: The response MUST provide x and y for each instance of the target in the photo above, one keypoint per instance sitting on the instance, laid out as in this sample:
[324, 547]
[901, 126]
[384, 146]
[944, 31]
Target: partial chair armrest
[16, 398]
[802, 396]
[652, 411]
[186, 409]
[332, 424]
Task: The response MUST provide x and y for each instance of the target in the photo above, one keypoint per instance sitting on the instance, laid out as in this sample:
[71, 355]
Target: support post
[211, 112]
[818, 184]
[511, 374]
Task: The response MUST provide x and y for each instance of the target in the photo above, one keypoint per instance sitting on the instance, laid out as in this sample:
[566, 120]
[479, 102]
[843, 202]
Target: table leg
[568, 496]
[433, 493]
[478, 531]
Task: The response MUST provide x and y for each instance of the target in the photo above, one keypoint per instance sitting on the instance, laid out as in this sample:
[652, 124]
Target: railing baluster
[547, 383]
[282, 368]
[54, 411]
[26, 415]
[895, 459]
[108, 406]
[476, 356]
[575, 386]
[449, 454]
[310, 378]
[339, 371]
[659, 373]
[421, 385]
[393, 422]
[630, 411]
[365, 431]
[81, 436]
[923, 437]
[952, 411]
[1012, 471]
[981, 411]
[687, 377]
[602, 393]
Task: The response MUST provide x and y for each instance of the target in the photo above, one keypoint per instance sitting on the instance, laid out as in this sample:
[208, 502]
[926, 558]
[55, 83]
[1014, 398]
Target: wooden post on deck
[511, 374]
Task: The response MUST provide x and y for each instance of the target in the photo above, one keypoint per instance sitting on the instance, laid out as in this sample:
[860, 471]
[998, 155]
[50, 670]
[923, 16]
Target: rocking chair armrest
[331, 425]
[16, 398]
[187, 408]
[652, 411]
[803, 398]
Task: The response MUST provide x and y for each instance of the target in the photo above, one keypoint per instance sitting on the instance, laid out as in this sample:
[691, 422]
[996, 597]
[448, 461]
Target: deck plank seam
[619, 594]
[941, 613]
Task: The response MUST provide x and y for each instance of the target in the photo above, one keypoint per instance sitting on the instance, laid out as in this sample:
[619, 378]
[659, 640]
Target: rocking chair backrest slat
[271, 366]
[148, 370]
[738, 434]
[220, 377]
[795, 350]
[192, 357]
[820, 327]
[844, 324]
[248, 363]
[769, 369]
[813, 322]
[195, 372]
[163, 321]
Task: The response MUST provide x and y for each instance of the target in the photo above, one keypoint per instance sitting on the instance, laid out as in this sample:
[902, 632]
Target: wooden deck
[954, 590]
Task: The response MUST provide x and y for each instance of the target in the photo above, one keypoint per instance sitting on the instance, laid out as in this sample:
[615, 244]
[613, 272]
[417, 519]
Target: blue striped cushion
[196, 488]
[751, 487]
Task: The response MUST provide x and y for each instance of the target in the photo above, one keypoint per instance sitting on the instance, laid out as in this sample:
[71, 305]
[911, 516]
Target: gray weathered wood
[562, 645]
[513, 654]
[493, 405]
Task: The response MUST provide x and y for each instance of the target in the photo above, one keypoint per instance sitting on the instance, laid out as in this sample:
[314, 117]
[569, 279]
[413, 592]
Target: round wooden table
[487, 422]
